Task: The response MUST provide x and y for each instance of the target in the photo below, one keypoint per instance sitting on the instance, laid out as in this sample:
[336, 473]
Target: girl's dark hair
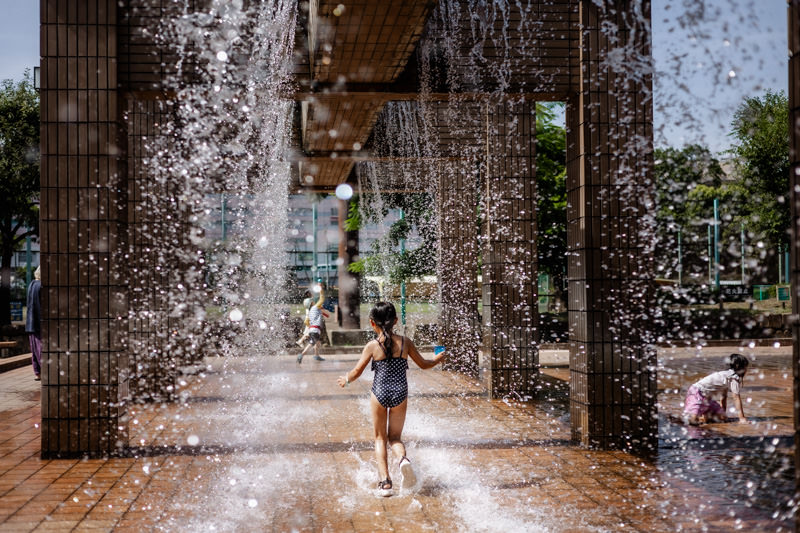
[384, 315]
[738, 362]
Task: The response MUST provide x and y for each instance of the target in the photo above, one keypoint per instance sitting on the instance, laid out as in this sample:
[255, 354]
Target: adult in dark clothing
[33, 322]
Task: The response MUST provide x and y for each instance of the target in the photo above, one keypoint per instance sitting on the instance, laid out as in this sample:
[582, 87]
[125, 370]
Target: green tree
[19, 176]
[551, 195]
[688, 180]
[685, 179]
[761, 129]
[386, 257]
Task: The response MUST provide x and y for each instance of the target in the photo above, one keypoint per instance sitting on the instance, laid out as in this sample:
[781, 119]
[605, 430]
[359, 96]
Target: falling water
[229, 134]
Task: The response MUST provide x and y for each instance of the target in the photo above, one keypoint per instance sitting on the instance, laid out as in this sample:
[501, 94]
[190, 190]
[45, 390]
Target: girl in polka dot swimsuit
[389, 354]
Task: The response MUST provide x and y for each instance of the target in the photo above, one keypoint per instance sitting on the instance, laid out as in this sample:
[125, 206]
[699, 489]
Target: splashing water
[228, 134]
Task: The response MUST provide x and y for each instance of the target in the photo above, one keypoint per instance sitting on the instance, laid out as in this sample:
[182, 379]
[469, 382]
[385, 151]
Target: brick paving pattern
[264, 444]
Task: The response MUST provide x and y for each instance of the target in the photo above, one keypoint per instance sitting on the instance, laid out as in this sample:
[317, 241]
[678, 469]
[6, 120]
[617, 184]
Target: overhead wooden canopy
[364, 44]
[352, 58]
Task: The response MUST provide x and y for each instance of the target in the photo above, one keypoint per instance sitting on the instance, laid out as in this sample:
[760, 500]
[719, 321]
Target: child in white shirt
[700, 406]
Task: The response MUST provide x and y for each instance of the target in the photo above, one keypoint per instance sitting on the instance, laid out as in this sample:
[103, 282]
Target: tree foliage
[19, 176]
[688, 180]
[551, 191]
[761, 128]
[551, 194]
[752, 197]
[386, 256]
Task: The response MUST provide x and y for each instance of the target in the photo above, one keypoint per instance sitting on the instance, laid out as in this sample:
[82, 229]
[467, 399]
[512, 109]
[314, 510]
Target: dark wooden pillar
[794, 187]
[458, 327]
[510, 299]
[84, 234]
[349, 291]
[609, 173]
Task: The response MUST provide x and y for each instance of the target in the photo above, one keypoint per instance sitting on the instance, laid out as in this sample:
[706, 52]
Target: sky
[708, 54]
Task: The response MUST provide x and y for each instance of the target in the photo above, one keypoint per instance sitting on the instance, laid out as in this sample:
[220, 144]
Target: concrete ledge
[16, 361]
[351, 337]
[554, 358]
[783, 341]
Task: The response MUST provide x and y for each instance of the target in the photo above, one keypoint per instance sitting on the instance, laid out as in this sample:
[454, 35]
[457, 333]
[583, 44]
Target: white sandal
[407, 471]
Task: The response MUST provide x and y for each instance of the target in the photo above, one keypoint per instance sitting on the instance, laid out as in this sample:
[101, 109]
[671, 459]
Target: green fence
[783, 293]
[765, 292]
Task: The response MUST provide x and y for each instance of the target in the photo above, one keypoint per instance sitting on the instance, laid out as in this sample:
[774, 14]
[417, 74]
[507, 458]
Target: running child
[389, 354]
[313, 323]
[700, 406]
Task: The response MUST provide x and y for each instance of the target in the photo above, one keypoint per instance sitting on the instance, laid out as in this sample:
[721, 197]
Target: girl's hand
[342, 380]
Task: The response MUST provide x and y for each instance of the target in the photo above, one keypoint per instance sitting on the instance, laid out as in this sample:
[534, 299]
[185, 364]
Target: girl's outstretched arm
[421, 361]
[354, 374]
[737, 401]
[321, 300]
[724, 403]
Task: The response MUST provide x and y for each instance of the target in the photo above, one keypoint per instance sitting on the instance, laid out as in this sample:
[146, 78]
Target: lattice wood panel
[367, 41]
[334, 123]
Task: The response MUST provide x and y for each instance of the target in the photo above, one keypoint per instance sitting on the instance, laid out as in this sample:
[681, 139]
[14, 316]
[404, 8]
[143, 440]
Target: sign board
[735, 293]
[783, 294]
[16, 311]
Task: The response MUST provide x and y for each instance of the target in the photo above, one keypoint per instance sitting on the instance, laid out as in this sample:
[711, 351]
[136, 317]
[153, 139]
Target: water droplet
[193, 440]
[344, 191]
[236, 315]
[222, 55]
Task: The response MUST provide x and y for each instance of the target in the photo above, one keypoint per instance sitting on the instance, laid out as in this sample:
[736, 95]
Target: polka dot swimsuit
[390, 385]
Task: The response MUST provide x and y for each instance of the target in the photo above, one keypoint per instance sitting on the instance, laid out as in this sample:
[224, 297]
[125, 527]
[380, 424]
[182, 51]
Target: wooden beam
[363, 156]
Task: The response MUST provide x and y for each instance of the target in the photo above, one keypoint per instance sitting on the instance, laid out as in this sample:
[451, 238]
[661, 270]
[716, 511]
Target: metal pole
[780, 263]
[786, 265]
[710, 257]
[743, 257]
[402, 281]
[680, 260]
[327, 268]
[314, 258]
[224, 235]
[28, 271]
[716, 243]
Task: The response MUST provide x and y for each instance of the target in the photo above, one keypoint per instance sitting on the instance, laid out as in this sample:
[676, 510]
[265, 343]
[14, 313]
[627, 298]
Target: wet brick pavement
[264, 444]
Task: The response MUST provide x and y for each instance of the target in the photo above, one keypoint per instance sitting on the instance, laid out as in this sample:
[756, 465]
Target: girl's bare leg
[397, 419]
[379, 427]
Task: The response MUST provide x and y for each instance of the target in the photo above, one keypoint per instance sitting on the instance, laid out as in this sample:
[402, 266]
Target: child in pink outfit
[700, 406]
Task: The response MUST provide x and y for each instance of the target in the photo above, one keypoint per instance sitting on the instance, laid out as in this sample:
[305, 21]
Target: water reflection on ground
[747, 467]
[278, 444]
